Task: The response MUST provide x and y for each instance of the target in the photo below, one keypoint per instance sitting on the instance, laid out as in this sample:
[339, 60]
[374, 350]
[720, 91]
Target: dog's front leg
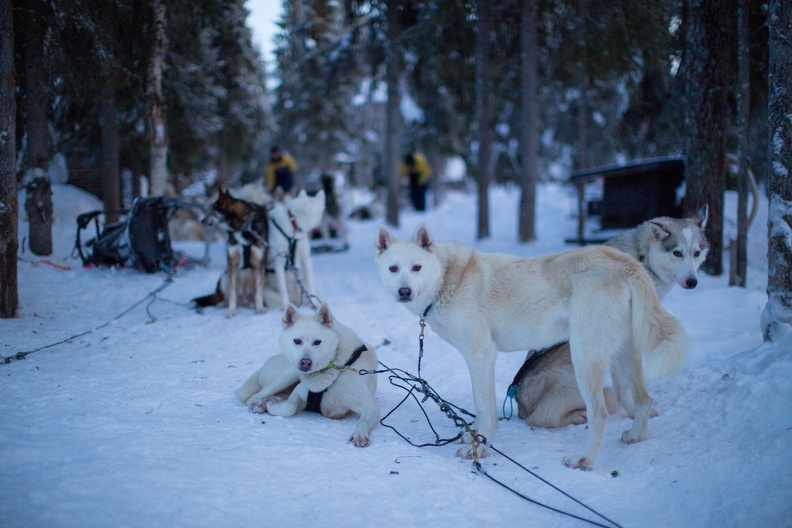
[280, 277]
[234, 259]
[296, 402]
[481, 364]
[259, 269]
[255, 396]
[302, 260]
[369, 417]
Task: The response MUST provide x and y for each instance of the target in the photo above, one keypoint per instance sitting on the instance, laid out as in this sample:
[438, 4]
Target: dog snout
[691, 283]
[404, 294]
[305, 364]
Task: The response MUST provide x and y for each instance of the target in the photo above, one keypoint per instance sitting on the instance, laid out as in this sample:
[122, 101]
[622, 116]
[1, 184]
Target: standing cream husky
[292, 219]
[597, 298]
[308, 373]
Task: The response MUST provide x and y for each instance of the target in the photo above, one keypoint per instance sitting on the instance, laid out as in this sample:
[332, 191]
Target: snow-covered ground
[135, 422]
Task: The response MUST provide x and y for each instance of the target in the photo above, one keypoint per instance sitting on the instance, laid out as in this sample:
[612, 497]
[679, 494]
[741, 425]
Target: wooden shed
[631, 193]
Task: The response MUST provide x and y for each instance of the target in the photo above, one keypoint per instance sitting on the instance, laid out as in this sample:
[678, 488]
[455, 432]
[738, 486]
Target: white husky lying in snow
[309, 373]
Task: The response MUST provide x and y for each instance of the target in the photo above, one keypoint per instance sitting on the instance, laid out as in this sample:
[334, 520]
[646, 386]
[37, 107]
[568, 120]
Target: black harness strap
[292, 241]
[315, 398]
[529, 363]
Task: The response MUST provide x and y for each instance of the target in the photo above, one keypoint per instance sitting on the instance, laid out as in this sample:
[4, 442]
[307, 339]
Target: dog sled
[140, 241]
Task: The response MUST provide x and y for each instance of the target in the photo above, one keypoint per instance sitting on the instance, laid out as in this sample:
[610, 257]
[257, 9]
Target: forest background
[126, 98]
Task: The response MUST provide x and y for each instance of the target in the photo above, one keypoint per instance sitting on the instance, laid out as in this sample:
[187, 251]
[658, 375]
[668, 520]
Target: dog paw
[466, 451]
[261, 310]
[578, 462]
[628, 437]
[258, 407]
[277, 406]
[231, 314]
[359, 440]
[272, 400]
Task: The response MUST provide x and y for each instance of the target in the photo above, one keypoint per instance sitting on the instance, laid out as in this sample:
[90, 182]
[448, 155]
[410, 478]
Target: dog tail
[656, 333]
[209, 300]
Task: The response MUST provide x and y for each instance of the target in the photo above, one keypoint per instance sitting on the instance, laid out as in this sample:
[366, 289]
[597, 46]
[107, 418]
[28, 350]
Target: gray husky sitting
[671, 250]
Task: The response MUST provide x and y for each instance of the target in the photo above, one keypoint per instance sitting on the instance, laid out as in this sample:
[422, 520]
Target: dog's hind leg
[620, 373]
[249, 388]
[642, 402]
[275, 376]
[588, 357]
[560, 406]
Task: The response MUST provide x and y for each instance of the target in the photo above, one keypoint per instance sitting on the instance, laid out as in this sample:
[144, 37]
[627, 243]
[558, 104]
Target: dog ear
[384, 239]
[290, 316]
[701, 216]
[659, 230]
[324, 316]
[423, 238]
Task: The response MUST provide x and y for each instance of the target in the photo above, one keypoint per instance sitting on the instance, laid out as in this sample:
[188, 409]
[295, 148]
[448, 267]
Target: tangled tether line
[416, 385]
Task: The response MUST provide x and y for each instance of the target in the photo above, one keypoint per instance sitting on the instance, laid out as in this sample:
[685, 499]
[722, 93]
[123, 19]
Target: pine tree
[777, 314]
[9, 294]
[705, 119]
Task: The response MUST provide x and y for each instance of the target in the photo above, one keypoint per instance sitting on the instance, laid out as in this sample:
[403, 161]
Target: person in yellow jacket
[280, 170]
[415, 167]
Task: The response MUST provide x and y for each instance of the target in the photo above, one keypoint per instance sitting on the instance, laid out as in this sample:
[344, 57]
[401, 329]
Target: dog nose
[305, 364]
[405, 293]
[691, 283]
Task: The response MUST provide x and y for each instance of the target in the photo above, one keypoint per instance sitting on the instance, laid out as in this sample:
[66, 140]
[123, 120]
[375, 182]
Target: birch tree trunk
[777, 315]
[9, 294]
[158, 137]
[483, 118]
[529, 122]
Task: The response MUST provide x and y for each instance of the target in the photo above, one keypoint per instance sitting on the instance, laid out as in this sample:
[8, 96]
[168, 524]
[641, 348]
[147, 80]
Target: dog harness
[529, 363]
[315, 398]
[292, 240]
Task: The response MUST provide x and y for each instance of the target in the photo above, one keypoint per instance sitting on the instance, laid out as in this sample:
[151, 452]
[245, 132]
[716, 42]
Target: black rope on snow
[544, 481]
[415, 385]
[4, 360]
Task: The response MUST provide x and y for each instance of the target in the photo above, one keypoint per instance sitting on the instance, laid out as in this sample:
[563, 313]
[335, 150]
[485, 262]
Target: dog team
[580, 314]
